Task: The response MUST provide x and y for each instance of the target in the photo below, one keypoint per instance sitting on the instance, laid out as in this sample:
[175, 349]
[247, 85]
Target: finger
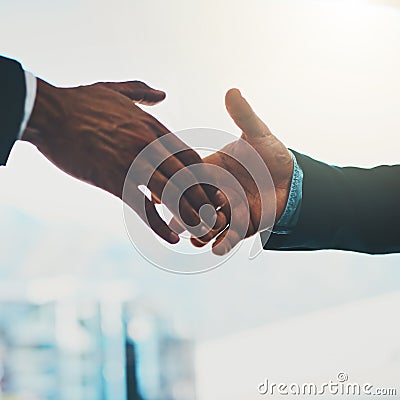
[234, 234]
[211, 188]
[137, 91]
[176, 226]
[187, 156]
[226, 242]
[184, 213]
[244, 116]
[219, 227]
[221, 222]
[217, 246]
[186, 182]
[154, 199]
[226, 209]
[223, 219]
[218, 199]
[197, 242]
[148, 213]
[158, 225]
[157, 183]
[160, 160]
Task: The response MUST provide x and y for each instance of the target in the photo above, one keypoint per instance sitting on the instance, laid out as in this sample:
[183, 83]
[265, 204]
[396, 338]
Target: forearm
[345, 208]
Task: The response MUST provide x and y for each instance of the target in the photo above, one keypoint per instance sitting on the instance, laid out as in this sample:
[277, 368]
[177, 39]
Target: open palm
[261, 165]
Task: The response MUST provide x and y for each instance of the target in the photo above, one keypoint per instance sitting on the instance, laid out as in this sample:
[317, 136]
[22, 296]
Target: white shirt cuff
[30, 83]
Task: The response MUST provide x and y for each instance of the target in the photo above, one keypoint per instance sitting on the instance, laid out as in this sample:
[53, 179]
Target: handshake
[98, 134]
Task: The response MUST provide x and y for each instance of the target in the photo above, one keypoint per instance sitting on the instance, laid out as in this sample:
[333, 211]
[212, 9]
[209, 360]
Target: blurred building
[90, 351]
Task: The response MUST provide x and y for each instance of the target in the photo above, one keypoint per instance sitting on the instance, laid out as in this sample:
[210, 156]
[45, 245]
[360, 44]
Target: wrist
[283, 191]
[47, 114]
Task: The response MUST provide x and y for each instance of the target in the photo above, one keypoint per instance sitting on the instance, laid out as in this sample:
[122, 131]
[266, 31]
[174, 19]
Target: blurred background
[83, 316]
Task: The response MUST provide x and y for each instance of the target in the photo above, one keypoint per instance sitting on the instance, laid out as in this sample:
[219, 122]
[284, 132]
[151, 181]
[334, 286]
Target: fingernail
[174, 238]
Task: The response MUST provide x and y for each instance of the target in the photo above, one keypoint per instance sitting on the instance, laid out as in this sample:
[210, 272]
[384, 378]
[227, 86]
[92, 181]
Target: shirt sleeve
[290, 215]
[30, 83]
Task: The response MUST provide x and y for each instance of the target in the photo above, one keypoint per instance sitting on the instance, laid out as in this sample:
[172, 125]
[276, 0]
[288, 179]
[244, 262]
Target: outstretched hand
[95, 132]
[256, 208]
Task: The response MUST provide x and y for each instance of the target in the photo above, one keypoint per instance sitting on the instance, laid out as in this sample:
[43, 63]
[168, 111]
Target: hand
[95, 132]
[276, 158]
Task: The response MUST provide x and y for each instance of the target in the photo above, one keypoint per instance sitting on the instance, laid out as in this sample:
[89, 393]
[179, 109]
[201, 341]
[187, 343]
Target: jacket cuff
[12, 103]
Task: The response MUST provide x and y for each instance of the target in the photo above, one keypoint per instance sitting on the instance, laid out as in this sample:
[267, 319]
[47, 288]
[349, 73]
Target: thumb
[137, 91]
[244, 116]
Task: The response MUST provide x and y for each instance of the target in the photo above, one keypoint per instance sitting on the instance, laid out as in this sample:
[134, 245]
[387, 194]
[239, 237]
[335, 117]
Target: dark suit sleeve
[346, 209]
[12, 102]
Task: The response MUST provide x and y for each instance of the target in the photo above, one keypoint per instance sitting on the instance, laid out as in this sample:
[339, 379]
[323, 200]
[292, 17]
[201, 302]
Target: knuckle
[138, 84]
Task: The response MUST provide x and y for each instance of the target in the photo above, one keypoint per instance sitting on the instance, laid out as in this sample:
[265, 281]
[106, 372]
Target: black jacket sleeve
[346, 209]
[12, 102]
